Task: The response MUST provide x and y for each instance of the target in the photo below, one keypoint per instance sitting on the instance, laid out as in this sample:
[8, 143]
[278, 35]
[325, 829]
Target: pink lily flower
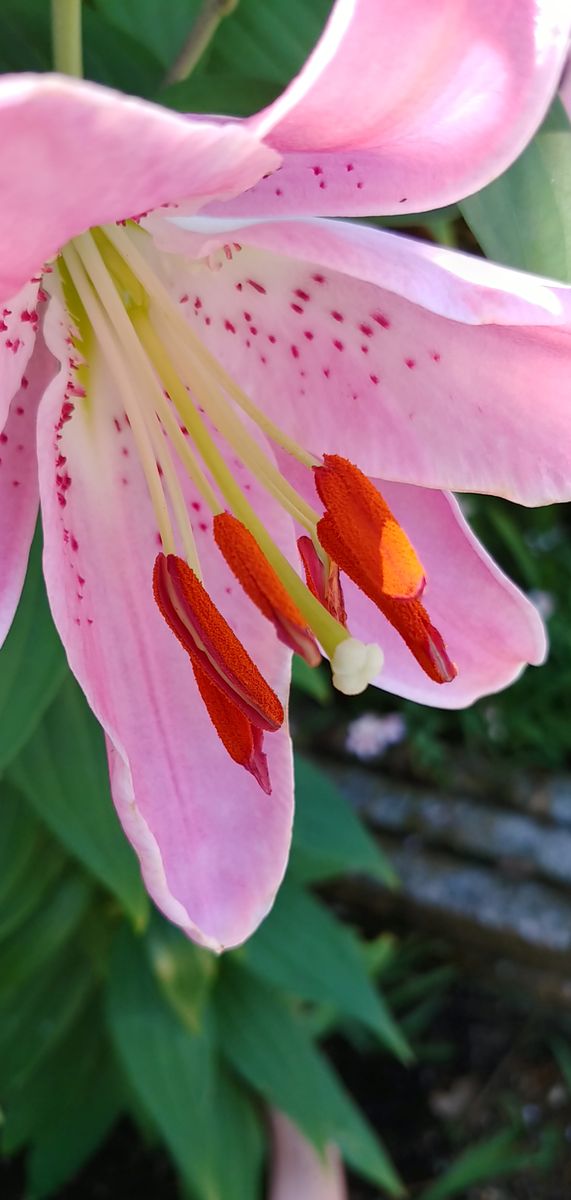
[298, 1170]
[200, 356]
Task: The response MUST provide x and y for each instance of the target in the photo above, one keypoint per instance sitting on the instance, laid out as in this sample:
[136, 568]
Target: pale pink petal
[407, 106]
[75, 155]
[490, 629]
[18, 326]
[420, 364]
[19, 481]
[213, 846]
[298, 1172]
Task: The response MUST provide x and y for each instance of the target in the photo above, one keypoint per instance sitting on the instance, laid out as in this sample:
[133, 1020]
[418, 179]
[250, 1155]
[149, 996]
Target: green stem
[66, 37]
[211, 14]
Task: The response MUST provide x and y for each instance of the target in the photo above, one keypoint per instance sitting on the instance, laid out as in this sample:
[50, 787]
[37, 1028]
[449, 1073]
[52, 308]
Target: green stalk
[66, 37]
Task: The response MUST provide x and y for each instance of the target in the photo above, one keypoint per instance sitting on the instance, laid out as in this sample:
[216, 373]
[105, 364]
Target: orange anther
[263, 586]
[240, 702]
[361, 534]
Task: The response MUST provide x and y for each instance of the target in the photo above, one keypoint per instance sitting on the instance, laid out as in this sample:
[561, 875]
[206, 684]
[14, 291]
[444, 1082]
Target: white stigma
[355, 665]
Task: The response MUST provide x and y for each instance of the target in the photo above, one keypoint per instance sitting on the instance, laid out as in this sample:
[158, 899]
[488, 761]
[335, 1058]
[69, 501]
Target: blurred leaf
[170, 1069]
[500, 1155]
[29, 860]
[32, 663]
[239, 1140]
[314, 681]
[184, 972]
[44, 934]
[302, 948]
[30, 1029]
[272, 40]
[161, 26]
[328, 838]
[63, 772]
[524, 217]
[66, 1107]
[270, 1048]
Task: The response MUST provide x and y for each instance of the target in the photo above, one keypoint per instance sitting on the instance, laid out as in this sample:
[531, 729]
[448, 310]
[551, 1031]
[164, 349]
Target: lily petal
[298, 1171]
[19, 319]
[409, 106]
[86, 155]
[213, 846]
[491, 629]
[433, 367]
[19, 481]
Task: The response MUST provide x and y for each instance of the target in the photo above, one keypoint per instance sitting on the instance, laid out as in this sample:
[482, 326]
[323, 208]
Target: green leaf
[524, 217]
[30, 1029]
[63, 773]
[220, 92]
[328, 838]
[239, 1142]
[66, 1107]
[32, 663]
[499, 1155]
[272, 41]
[161, 26]
[183, 971]
[314, 681]
[302, 948]
[270, 1048]
[29, 860]
[169, 1068]
[32, 946]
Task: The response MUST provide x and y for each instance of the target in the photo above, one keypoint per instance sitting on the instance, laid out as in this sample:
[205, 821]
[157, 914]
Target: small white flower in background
[370, 735]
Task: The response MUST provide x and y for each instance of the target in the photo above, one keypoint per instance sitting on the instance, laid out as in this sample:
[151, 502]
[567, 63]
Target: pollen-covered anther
[239, 701]
[361, 534]
[355, 665]
[264, 587]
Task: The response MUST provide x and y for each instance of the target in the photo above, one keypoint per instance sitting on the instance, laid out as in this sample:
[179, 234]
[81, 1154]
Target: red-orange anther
[239, 701]
[363, 537]
[263, 586]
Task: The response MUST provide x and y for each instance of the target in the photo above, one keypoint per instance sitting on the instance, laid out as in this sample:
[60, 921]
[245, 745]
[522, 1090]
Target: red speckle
[238, 286]
[318, 278]
[308, 334]
[197, 303]
[229, 326]
[365, 349]
[263, 359]
[124, 452]
[374, 378]
[3, 326]
[338, 345]
[278, 192]
[15, 483]
[184, 299]
[90, 619]
[299, 292]
[253, 331]
[323, 185]
[208, 320]
[337, 316]
[80, 580]
[3, 438]
[73, 543]
[61, 500]
[203, 525]
[117, 424]
[61, 460]
[25, 383]
[20, 410]
[272, 338]
[30, 316]
[317, 170]
[381, 320]
[326, 372]
[435, 356]
[13, 344]
[196, 505]
[258, 287]
[360, 185]
[294, 351]
[247, 316]
[410, 363]
[297, 308]
[350, 167]
[366, 329]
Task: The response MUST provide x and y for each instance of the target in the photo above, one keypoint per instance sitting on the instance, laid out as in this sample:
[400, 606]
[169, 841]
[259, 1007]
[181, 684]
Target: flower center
[174, 393]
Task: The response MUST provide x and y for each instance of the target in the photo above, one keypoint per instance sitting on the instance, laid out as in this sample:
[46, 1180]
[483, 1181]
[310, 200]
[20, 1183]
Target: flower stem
[66, 37]
[207, 21]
